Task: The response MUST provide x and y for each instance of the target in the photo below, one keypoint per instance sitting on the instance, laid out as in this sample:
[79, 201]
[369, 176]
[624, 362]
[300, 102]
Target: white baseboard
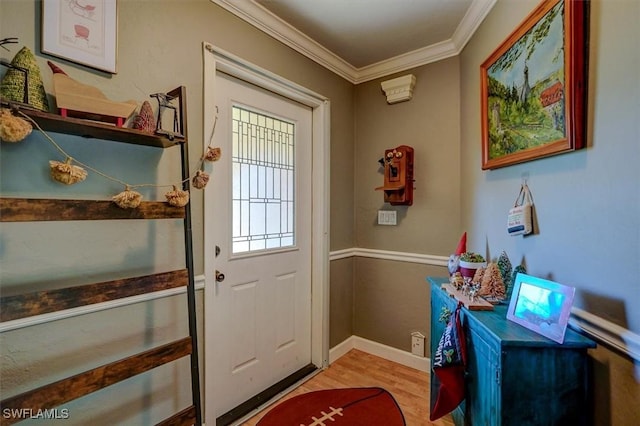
[378, 349]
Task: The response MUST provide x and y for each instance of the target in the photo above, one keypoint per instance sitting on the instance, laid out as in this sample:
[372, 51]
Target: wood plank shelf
[43, 209]
[45, 302]
[185, 417]
[95, 130]
[65, 390]
[477, 304]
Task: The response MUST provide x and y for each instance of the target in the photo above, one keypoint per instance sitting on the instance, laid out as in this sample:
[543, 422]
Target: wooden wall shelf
[44, 210]
[95, 130]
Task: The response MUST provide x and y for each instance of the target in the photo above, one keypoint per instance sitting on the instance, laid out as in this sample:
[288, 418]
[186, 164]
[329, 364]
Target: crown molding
[272, 25]
[266, 21]
[426, 55]
[476, 13]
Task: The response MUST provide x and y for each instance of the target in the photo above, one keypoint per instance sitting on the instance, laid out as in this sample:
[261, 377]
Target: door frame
[216, 59]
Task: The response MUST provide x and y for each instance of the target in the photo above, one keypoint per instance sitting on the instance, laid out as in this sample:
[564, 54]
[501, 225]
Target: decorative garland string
[69, 174]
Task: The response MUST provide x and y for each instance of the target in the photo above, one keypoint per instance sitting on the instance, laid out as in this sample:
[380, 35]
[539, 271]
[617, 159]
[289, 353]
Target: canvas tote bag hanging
[519, 220]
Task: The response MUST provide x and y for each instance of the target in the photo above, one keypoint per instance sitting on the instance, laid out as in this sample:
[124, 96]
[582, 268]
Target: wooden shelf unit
[41, 302]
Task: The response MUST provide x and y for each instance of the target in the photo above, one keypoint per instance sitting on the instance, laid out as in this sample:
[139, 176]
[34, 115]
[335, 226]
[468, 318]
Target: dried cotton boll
[213, 154]
[12, 128]
[67, 173]
[127, 199]
[200, 180]
[177, 197]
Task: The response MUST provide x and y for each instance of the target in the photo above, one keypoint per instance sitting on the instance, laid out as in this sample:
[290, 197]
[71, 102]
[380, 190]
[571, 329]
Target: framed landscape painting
[533, 87]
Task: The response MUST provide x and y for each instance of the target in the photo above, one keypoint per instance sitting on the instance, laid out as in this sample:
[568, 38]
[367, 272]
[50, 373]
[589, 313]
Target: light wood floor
[408, 386]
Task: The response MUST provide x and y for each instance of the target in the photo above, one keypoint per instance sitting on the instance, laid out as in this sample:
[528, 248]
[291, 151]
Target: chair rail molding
[426, 259]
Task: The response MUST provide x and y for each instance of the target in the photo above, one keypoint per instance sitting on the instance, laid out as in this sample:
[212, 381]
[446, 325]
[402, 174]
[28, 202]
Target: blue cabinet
[515, 376]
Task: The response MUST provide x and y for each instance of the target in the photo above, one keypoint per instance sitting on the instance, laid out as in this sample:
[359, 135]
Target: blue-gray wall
[587, 203]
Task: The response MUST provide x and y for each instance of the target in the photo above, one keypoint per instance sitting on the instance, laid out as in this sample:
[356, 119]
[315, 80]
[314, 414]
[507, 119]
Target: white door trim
[216, 59]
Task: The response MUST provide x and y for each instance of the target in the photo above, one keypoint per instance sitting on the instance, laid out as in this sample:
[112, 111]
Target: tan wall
[390, 298]
[341, 301]
[429, 123]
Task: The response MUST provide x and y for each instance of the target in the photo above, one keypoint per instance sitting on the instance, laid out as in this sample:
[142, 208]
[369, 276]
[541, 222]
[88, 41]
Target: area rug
[335, 407]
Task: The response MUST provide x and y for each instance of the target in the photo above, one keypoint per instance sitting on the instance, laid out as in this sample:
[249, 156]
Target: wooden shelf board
[185, 417]
[43, 302]
[90, 129]
[65, 390]
[478, 304]
[44, 209]
[390, 188]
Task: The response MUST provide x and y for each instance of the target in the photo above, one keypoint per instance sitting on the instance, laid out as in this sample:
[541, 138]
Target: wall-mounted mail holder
[398, 176]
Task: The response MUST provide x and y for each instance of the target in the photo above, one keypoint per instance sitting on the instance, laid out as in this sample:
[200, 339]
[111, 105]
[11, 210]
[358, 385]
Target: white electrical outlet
[387, 217]
[417, 343]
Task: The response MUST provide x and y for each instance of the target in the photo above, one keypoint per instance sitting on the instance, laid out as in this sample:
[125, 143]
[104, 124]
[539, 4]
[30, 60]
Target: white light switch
[387, 217]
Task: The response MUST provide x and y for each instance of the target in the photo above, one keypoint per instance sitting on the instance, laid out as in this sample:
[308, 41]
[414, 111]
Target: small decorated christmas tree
[12, 85]
[492, 286]
[517, 270]
[504, 265]
[145, 121]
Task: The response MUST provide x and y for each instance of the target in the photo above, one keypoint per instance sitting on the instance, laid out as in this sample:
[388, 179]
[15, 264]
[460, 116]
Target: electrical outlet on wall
[387, 217]
[417, 343]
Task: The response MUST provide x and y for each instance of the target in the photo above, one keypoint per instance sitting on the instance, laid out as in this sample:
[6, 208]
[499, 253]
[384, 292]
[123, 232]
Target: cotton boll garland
[177, 197]
[213, 154]
[200, 180]
[68, 173]
[12, 128]
[127, 199]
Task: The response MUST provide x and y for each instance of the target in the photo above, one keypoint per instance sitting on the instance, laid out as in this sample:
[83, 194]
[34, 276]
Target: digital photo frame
[541, 305]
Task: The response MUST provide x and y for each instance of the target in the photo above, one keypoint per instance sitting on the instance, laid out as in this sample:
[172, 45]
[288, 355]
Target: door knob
[219, 276]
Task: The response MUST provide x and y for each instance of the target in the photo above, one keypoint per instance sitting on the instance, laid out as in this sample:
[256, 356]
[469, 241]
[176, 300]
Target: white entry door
[258, 311]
